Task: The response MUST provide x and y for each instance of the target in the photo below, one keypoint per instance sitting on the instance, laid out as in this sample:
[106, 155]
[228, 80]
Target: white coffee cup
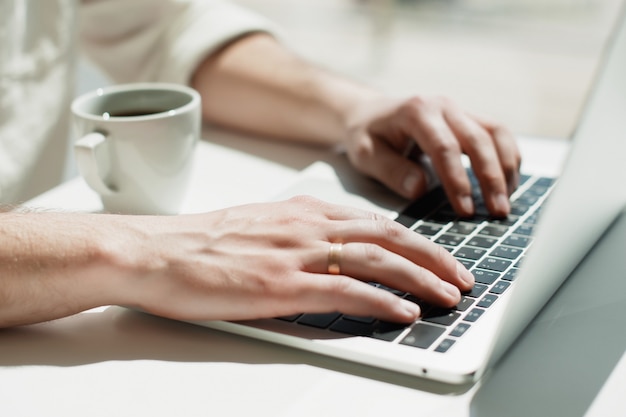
[136, 145]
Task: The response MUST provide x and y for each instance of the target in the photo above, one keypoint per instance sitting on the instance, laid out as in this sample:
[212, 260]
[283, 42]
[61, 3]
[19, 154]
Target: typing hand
[381, 135]
[281, 258]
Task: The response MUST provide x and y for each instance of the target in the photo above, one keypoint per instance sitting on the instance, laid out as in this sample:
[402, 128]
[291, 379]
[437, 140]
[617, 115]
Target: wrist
[126, 262]
[345, 101]
[57, 264]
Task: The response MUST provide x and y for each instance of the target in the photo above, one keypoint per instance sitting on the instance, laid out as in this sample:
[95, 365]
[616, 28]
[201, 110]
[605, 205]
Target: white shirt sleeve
[161, 40]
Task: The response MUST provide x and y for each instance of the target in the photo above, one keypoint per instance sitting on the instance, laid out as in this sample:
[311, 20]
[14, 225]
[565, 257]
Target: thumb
[400, 174]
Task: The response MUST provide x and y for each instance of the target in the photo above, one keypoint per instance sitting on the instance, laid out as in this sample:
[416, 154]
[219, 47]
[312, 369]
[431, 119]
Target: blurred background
[527, 63]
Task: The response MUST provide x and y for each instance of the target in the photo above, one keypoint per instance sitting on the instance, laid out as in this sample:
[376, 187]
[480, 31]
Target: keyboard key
[367, 320]
[449, 239]
[487, 301]
[518, 241]
[399, 293]
[466, 252]
[462, 228]
[474, 315]
[477, 291]
[476, 219]
[494, 264]
[423, 206]
[464, 304]
[445, 345]
[422, 335]
[510, 274]
[321, 320]
[388, 331]
[482, 241]
[353, 328]
[508, 221]
[525, 229]
[545, 182]
[518, 208]
[460, 330]
[442, 316]
[291, 318]
[500, 287]
[506, 252]
[406, 220]
[379, 330]
[537, 190]
[493, 230]
[480, 210]
[467, 264]
[428, 229]
[442, 217]
[485, 277]
[532, 219]
[527, 199]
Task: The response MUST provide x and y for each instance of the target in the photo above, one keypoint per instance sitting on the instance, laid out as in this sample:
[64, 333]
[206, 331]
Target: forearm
[257, 85]
[54, 264]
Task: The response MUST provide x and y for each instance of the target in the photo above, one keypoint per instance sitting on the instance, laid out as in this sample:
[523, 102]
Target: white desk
[112, 361]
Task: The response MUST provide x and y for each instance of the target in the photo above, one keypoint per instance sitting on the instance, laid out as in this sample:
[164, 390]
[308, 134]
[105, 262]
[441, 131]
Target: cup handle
[92, 162]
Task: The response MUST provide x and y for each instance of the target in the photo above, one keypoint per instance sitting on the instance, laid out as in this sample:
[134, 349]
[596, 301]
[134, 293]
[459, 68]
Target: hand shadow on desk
[296, 155]
[119, 334]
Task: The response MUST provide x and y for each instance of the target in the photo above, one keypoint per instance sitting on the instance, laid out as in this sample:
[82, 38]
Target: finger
[508, 151]
[368, 262]
[478, 144]
[437, 140]
[399, 240]
[395, 171]
[328, 293]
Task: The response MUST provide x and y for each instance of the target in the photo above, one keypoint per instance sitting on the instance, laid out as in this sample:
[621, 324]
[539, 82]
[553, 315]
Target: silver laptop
[518, 262]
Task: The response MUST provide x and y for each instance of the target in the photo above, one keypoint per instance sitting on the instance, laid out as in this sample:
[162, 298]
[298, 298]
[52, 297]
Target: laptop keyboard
[491, 248]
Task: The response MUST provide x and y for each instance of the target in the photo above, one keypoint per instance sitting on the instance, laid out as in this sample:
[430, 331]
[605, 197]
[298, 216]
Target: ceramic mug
[136, 144]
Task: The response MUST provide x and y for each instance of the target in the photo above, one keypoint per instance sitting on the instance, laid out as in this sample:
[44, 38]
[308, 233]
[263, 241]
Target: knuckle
[477, 137]
[308, 204]
[500, 131]
[303, 200]
[373, 254]
[388, 229]
[415, 102]
[491, 178]
[445, 146]
[362, 151]
[447, 102]
[341, 287]
[414, 108]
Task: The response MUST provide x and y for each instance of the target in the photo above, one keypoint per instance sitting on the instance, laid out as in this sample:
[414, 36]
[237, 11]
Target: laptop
[519, 262]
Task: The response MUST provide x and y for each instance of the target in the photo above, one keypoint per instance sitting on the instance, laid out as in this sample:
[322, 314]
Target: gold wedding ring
[334, 258]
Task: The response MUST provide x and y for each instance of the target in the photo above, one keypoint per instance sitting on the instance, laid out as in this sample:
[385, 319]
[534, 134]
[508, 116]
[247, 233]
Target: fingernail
[467, 204]
[501, 202]
[411, 183]
[465, 275]
[411, 308]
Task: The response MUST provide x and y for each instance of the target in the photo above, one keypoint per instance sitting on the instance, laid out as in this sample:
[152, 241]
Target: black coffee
[134, 112]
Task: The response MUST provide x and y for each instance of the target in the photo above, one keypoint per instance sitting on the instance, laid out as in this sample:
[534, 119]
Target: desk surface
[111, 361]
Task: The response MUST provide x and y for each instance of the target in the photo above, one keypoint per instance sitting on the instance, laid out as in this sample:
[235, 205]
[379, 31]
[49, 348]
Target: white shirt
[131, 40]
